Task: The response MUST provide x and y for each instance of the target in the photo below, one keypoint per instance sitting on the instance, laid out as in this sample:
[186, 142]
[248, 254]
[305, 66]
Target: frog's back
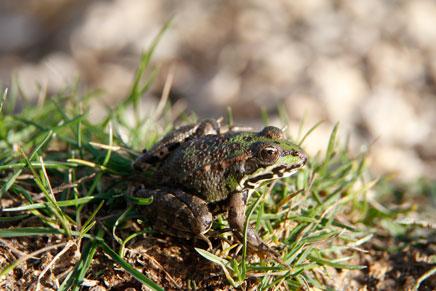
[204, 166]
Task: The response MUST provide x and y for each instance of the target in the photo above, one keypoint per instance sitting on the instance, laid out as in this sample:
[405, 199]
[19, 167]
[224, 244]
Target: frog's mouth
[274, 172]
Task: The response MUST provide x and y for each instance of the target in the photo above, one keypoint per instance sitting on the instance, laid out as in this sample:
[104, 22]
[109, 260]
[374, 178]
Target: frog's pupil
[268, 153]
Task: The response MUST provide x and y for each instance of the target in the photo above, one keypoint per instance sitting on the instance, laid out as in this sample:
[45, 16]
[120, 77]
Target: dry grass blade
[67, 247]
[24, 258]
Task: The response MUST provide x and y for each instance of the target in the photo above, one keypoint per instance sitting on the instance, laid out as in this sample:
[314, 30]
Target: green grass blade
[76, 277]
[37, 165]
[3, 99]
[334, 264]
[28, 231]
[14, 218]
[309, 132]
[6, 186]
[129, 268]
[65, 203]
[224, 264]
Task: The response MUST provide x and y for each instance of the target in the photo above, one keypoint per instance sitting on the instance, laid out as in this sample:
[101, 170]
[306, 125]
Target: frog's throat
[268, 174]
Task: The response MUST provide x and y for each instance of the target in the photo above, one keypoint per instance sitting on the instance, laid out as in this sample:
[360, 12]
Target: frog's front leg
[236, 217]
[177, 213]
[173, 139]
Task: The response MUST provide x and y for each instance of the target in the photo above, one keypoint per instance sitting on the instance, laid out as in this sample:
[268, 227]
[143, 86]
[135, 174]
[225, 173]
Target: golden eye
[269, 154]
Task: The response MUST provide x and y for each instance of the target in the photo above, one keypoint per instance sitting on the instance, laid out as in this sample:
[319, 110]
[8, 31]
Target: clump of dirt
[45, 262]
[398, 270]
[387, 267]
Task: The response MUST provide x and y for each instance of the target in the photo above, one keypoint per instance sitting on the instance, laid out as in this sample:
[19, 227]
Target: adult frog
[196, 172]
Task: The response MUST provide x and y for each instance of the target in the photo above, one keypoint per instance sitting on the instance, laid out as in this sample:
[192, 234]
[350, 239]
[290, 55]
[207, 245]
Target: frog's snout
[301, 155]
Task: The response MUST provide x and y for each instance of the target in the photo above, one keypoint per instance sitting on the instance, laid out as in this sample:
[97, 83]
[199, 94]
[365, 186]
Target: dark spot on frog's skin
[248, 186]
[256, 179]
[299, 154]
[248, 138]
[278, 170]
[173, 146]
[152, 159]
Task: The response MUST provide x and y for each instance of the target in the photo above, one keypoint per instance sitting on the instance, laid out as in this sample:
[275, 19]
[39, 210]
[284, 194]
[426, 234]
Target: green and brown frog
[196, 172]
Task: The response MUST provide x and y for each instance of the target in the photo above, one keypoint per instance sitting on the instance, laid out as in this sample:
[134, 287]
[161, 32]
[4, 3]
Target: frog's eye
[269, 154]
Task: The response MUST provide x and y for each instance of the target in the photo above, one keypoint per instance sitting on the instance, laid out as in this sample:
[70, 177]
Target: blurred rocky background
[369, 64]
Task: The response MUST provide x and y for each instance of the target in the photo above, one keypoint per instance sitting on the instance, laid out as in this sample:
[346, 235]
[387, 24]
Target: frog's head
[271, 157]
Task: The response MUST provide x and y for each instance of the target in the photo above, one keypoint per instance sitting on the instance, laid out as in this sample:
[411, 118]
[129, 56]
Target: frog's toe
[206, 239]
[264, 251]
[142, 163]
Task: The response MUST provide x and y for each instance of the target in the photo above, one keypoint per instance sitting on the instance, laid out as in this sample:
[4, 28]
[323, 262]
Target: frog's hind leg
[177, 213]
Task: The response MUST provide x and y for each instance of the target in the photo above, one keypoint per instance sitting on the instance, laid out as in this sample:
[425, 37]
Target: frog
[199, 171]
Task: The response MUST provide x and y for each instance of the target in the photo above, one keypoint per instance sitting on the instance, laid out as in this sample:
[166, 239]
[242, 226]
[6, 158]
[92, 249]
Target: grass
[64, 180]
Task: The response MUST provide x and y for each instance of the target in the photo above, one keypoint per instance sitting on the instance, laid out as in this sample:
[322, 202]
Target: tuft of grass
[61, 175]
